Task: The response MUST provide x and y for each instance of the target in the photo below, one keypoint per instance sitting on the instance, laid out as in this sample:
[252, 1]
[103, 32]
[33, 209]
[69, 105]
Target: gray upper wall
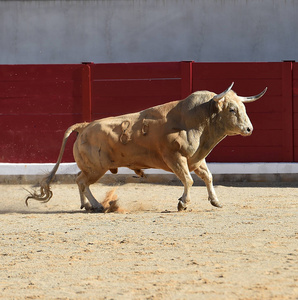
[49, 32]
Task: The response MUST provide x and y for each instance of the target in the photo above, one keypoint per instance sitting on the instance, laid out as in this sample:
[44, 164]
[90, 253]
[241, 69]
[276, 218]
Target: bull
[175, 136]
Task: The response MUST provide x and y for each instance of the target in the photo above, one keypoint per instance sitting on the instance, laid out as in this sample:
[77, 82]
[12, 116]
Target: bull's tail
[45, 193]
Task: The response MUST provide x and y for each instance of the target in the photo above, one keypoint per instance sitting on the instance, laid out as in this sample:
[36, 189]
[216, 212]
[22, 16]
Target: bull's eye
[232, 110]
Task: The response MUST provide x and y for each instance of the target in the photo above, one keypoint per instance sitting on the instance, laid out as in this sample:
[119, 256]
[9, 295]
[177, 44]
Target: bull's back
[131, 140]
[131, 126]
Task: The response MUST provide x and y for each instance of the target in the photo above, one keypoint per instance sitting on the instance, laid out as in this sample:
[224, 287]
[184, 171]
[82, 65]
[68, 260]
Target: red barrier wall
[272, 139]
[125, 88]
[295, 110]
[39, 102]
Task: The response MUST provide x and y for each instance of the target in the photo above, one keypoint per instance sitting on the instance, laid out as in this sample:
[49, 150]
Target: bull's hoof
[181, 206]
[98, 209]
[215, 203]
[91, 209]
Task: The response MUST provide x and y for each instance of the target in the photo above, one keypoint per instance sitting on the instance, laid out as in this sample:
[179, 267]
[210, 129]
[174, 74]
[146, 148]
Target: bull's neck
[210, 127]
[209, 140]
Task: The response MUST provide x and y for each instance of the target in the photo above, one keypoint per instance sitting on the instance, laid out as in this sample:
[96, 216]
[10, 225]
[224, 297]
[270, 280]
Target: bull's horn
[221, 95]
[252, 98]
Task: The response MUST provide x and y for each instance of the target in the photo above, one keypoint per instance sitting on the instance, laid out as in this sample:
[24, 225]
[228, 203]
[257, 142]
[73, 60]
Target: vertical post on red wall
[287, 111]
[186, 78]
[295, 109]
[86, 92]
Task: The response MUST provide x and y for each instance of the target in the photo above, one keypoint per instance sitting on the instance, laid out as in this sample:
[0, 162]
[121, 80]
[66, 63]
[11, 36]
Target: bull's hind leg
[204, 173]
[180, 167]
[88, 201]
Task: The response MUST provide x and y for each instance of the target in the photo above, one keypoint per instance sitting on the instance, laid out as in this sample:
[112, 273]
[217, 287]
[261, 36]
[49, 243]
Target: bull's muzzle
[247, 131]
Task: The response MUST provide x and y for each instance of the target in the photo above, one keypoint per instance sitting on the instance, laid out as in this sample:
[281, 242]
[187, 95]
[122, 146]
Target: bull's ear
[219, 97]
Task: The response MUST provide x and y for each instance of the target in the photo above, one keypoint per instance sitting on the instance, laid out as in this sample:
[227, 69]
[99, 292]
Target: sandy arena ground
[246, 250]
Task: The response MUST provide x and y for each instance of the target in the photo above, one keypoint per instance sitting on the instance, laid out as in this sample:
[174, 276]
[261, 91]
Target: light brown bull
[176, 137]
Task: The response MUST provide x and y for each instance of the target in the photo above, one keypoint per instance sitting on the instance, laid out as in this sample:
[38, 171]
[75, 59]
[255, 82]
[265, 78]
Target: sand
[246, 250]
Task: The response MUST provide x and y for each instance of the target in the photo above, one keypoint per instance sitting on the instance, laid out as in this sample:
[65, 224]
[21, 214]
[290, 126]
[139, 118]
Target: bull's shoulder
[185, 142]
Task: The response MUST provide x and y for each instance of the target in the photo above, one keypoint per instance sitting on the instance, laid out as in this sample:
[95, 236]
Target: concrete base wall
[222, 172]
[169, 179]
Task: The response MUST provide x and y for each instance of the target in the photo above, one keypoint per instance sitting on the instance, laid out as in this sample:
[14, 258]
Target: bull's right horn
[253, 98]
[221, 95]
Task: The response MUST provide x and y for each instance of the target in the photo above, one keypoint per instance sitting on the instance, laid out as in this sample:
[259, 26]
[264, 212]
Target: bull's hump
[161, 109]
[201, 96]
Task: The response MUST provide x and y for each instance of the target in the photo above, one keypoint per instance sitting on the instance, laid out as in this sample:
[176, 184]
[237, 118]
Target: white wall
[148, 30]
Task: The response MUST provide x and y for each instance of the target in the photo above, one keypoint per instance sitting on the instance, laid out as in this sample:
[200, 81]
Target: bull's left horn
[252, 98]
[221, 95]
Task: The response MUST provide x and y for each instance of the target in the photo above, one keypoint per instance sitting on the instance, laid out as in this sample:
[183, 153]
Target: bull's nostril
[248, 129]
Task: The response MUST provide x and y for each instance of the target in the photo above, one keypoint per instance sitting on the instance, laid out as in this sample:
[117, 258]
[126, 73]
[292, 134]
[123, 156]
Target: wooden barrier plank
[295, 109]
[111, 71]
[35, 138]
[287, 109]
[247, 154]
[243, 87]
[264, 120]
[86, 93]
[270, 138]
[296, 139]
[186, 79]
[109, 106]
[39, 72]
[40, 89]
[131, 88]
[295, 101]
[267, 104]
[124, 88]
[249, 70]
[39, 103]
[135, 95]
[27, 89]
[295, 88]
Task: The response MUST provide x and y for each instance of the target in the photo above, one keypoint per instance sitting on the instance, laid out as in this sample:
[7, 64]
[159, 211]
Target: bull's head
[232, 112]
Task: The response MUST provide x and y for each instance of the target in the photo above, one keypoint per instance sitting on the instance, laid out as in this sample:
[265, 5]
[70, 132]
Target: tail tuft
[43, 196]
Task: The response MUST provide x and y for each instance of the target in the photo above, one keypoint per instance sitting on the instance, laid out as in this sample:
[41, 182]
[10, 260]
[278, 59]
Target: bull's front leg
[178, 164]
[204, 173]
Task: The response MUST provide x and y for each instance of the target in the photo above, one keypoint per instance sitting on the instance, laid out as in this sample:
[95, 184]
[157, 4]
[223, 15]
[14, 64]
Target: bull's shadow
[38, 212]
